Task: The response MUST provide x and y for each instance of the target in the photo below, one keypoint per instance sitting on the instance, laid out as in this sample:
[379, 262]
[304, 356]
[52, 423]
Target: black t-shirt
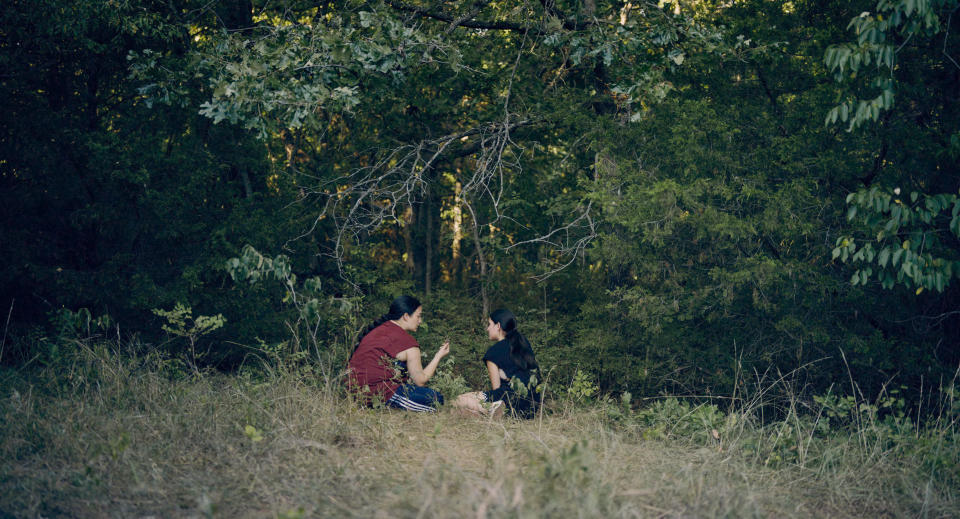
[523, 405]
[499, 354]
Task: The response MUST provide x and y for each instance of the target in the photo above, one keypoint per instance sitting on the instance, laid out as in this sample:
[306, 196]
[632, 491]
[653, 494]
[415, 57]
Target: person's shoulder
[398, 338]
[388, 329]
[498, 349]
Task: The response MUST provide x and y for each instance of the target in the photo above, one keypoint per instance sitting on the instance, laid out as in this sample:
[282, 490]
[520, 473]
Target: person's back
[372, 366]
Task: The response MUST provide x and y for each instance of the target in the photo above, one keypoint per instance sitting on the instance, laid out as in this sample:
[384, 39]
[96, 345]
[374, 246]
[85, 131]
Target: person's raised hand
[444, 349]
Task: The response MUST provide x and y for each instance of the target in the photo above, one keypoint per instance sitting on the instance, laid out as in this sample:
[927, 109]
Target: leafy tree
[911, 238]
[500, 76]
[110, 204]
[716, 215]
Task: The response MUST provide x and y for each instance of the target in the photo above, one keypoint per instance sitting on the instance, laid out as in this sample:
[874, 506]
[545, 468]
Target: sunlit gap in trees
[197, 33]
[454, 213]
[273, 182]
[277, 20]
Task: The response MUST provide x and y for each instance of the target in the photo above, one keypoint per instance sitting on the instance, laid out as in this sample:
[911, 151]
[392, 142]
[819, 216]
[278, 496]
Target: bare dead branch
[946, 36]
[369, 197]
[568, 241]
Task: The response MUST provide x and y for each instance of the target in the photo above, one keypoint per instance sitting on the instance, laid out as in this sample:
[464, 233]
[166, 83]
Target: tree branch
[946, 36]
[467, 20]
[374, 195]
[477, 7]
[461, 22]
[569, 241]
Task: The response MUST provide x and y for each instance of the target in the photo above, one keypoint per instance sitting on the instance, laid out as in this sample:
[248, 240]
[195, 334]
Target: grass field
[114, 436]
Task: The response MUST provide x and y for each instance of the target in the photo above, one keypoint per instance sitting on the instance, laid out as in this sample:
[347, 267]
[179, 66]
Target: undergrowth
[109, 433]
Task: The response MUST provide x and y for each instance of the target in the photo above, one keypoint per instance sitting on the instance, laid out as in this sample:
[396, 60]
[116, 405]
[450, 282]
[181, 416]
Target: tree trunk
[247, 187]
[235, 14]
[455, 261]
[482, 260]
[428, 255]
[407, 229]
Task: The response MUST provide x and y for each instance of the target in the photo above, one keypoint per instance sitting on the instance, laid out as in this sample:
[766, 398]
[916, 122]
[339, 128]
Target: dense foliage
[649, 185]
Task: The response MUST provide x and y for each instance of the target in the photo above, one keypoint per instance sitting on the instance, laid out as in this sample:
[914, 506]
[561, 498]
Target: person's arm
[494, 371]
[420, 375]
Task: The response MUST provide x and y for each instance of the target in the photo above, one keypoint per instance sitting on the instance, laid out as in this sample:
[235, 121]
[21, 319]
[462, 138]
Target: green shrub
[675, 418]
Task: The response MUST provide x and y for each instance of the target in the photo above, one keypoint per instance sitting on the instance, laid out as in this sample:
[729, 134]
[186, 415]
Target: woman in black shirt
[513, 371]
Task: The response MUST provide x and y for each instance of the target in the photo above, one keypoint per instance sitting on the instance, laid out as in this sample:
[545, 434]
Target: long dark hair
[399, 306]
[520, 351]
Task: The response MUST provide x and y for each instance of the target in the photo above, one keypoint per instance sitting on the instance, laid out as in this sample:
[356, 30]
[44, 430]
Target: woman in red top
[387, 356]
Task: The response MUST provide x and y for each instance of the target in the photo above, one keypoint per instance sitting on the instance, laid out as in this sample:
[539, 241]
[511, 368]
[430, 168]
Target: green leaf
[884, 257]
[897, 254]
[831, 116]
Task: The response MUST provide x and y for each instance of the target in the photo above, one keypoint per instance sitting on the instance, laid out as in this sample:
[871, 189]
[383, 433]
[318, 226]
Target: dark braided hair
[399, 306]
[520, 351]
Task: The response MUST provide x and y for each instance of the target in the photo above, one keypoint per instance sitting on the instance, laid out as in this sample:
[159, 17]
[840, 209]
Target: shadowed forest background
[730, 230]
[650, 186]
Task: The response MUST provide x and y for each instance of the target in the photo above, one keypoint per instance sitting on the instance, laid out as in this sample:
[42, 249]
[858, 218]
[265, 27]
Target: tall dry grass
[111, 435]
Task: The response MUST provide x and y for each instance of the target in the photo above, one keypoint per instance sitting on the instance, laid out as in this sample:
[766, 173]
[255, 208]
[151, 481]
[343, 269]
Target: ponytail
[399, 306]
[521, 353]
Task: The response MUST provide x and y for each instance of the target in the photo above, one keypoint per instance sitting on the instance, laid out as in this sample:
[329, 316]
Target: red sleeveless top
[372, 370]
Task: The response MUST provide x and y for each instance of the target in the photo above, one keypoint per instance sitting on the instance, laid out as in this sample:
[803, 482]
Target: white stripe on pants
[406, 403]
